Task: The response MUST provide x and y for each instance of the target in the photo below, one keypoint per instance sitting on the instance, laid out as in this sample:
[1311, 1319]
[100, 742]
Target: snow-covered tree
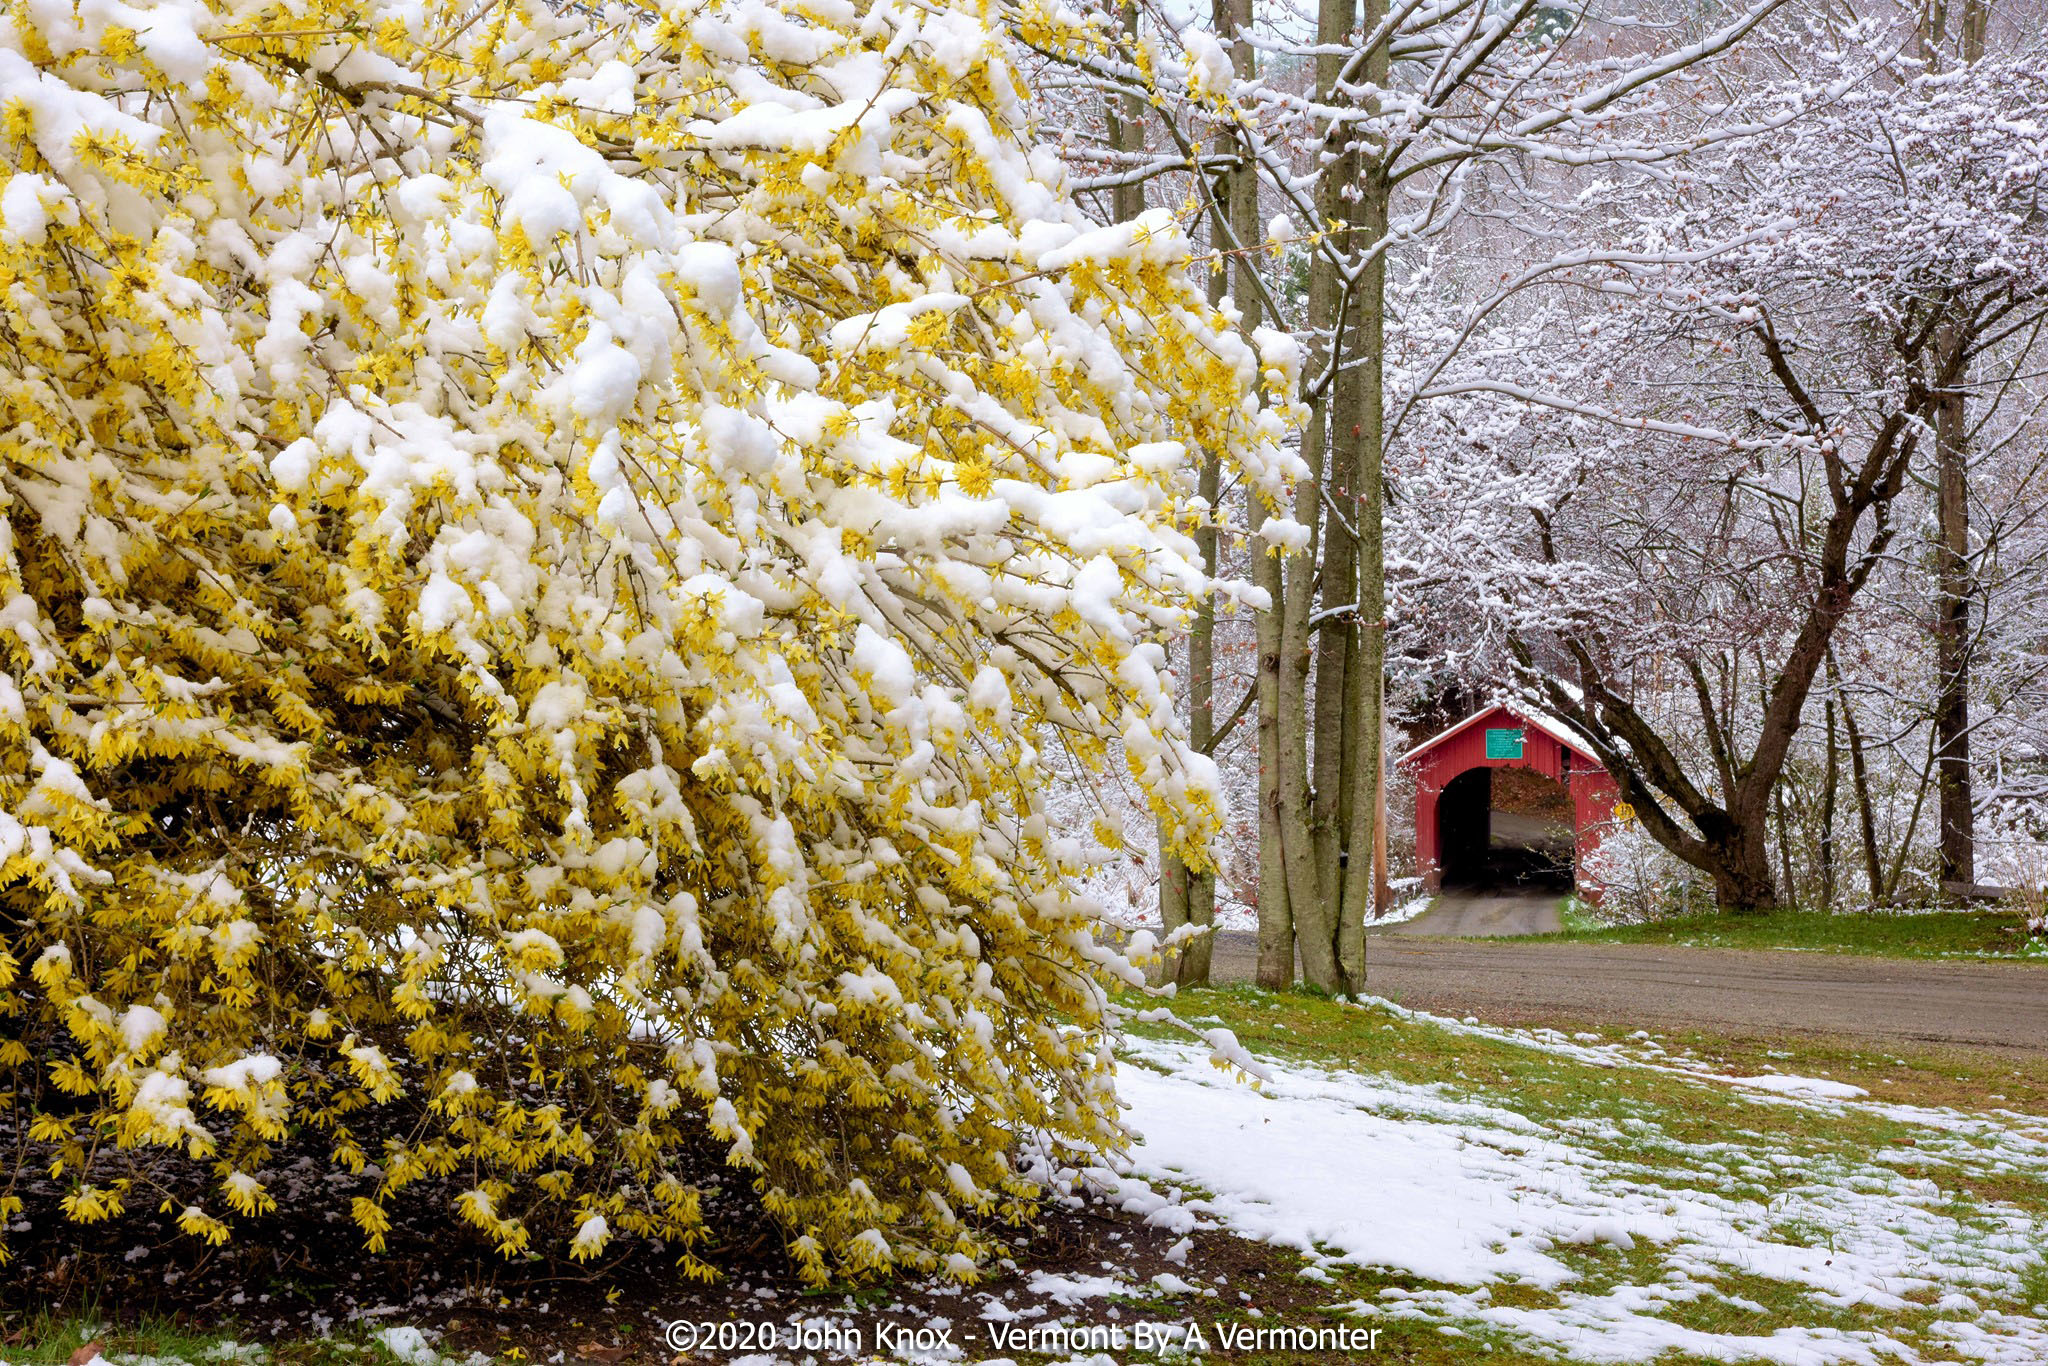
[1348, 138]
[543, 551]
[1664, 489]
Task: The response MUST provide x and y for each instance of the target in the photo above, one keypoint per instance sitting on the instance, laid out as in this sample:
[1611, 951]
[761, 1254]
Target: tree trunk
[1866, 815]
[1351, 648]
[1830, 787]
[1276, 911]
[1382, 887]
[1194, 965]
[1366, 687]
[1336, 642]
[1313, 882]
[1173, 903]
[1312, 919]
[1276, 906]
[1126, 127]
[1957, 833]
[1198, 895]
[1952, 641]
[1742, 877]
[1859, 786]
[1786, 879]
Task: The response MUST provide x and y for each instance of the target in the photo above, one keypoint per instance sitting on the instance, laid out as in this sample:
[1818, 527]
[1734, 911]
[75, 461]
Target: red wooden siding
[1593, 792]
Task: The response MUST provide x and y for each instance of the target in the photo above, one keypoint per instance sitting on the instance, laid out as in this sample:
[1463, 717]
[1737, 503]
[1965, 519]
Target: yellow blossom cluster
[543, 552]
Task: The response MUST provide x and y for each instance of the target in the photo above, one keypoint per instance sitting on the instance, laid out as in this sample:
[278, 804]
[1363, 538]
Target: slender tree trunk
[1312, 861]
[1198, 899]
[1952, 641]
[1790, 884]
[1859, 782]
[1276, 911]
[1278, 778]
[1304, 892]
[1233, 19]
[1351, 648]
[1382, 887]
[1335, 641]
[1903, 845]
[1957, 836]
[1126, 120]
[1866, 814]
[1830, 786]
[1333, 661]
[1365, 687]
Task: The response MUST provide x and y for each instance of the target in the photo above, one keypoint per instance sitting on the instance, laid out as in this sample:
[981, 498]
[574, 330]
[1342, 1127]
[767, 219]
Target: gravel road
[1487, 914]
[2001, 1006]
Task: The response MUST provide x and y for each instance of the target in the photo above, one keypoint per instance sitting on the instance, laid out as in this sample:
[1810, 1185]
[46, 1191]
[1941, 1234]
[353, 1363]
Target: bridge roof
[1557, 730]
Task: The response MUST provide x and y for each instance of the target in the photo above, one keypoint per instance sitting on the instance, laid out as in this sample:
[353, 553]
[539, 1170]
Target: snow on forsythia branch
[541, 551]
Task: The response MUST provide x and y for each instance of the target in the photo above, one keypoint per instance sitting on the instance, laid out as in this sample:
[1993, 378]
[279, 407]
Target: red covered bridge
[1508, 796]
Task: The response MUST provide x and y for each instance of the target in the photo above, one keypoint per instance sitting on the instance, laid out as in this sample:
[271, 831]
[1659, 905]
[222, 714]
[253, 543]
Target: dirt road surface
[1487, 914]
[1996, 1006]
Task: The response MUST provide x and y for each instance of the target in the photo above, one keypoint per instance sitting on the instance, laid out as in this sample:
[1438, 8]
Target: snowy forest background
[1686, 357]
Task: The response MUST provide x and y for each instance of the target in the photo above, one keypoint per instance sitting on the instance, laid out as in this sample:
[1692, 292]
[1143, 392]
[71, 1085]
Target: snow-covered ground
[1348, 1167]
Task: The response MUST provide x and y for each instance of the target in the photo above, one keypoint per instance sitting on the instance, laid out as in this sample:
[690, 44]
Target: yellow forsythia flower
[544, 606]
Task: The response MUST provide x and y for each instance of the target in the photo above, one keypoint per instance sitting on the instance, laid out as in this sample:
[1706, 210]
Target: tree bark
[1787, 881]
[1957, 837]
[1742, 877]
[1276, 910]
[1952, 644]
[1316, 792]
[1335, 641]
[1126, 126]
[1276, 907]
[1350, 650]
[1830, 788]
[1382, 886]
[1365, 687]
[1173, 904]
[1198, 894]
[1859, 785]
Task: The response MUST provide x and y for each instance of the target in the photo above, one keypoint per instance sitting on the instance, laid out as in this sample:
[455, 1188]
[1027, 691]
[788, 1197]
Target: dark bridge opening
[1505, 827]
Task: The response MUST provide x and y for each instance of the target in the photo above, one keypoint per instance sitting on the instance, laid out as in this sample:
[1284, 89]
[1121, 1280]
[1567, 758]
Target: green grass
[2034, 1285]
[1932, 934]
[42, 1340]
[1690, 1133]
[1647, 1108]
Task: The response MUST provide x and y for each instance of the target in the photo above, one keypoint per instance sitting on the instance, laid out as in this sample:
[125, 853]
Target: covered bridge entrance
[1507, 797]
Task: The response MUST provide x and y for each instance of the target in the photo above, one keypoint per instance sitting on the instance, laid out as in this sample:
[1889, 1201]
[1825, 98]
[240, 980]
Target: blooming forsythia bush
[542, 549]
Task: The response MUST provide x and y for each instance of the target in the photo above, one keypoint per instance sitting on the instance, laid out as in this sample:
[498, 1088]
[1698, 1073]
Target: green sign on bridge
[1503, 743]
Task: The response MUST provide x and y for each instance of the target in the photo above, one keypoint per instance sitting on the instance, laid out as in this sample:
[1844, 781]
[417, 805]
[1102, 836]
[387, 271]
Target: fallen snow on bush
[1353, 1168]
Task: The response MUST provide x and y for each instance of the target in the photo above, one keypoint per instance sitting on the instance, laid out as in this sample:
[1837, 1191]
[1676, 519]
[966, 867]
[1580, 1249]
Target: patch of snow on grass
[1405, 907]
[1074, 1289]
[1347, 1167]
[408, 1345]
[1818, 1087]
